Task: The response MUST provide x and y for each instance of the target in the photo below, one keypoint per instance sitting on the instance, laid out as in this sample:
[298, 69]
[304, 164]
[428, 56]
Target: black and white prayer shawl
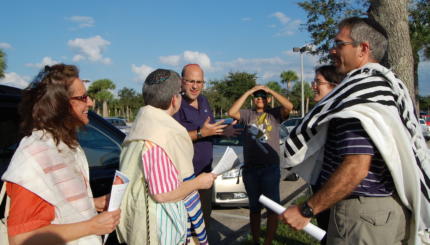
[381, 102]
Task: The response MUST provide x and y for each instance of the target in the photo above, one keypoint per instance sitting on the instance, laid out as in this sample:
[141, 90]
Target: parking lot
[231, 225]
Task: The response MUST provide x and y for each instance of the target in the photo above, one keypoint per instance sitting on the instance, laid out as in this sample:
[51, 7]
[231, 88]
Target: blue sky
[125, 40]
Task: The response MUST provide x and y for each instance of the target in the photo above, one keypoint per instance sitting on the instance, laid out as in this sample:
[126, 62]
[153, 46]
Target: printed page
[226, 162]
[120, 183]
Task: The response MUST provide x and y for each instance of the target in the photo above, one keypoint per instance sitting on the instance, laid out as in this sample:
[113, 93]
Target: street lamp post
[302, 50]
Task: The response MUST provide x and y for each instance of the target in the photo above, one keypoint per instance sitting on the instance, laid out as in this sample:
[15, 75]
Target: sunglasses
[83, 98]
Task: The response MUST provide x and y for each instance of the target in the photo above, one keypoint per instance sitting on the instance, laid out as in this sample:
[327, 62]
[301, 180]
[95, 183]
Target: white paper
[119, 185]
[310, 228]
[226, 162]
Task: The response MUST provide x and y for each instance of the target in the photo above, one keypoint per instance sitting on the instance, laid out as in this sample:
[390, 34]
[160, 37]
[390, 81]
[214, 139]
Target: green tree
[296, 96]
[129, 101]
[235, 84]
[275, 86]
[3, 65]
[287, 77]
[99, 90]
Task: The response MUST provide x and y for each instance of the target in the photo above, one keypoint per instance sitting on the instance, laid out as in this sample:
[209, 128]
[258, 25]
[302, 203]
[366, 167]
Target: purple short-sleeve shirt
[193, 119]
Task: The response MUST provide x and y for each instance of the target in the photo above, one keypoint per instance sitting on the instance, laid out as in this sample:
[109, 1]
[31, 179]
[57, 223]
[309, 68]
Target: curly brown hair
[45, 104]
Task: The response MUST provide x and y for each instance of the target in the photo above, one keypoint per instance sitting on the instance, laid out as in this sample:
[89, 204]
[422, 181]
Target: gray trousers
[368, 220]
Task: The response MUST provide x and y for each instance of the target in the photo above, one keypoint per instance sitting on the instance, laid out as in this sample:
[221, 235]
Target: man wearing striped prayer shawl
[375, 168]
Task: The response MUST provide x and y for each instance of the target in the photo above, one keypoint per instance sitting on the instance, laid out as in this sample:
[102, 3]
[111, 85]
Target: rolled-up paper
[310, 228]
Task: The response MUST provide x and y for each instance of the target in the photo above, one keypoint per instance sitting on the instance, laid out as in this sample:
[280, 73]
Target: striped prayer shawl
[373, 95]
[57, 174]
[196, 224]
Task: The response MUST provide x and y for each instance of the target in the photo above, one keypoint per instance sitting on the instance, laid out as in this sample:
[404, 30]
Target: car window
[283, 132]
[291, 122]
[99, 148]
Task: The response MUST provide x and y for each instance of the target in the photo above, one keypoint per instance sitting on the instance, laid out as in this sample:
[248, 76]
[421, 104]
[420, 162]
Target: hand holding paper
[120, 183]
[226, 162]
[310, 228]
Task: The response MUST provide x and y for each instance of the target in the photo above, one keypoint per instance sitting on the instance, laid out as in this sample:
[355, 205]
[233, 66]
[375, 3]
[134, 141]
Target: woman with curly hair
[48, 177]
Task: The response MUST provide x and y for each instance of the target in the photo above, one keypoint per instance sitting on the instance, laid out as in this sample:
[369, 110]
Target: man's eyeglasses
[83, 98]
[339, 43]
[197, 82]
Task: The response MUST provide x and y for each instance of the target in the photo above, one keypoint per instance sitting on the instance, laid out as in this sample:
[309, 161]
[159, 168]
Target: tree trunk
[393, 16]
[105, 109]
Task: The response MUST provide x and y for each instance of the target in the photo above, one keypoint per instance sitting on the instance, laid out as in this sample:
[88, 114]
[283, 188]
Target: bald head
[191, 68]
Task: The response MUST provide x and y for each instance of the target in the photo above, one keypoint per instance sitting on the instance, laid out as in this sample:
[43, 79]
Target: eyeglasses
[83, 98]
[197, 82]
[319, 83]
[339, 43]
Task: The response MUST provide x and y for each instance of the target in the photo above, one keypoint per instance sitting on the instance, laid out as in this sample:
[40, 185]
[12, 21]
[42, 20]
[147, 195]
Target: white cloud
[246, 19]
[82, 21]
[281, 17]
[45, 61]
[90, 49]
[15, 80]
[5, 45]
[288, 26]
[141, 71]
[188, 57]
[172, 60]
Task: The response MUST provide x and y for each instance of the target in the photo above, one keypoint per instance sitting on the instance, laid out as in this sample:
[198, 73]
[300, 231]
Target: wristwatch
[199, 134]
[306, 211]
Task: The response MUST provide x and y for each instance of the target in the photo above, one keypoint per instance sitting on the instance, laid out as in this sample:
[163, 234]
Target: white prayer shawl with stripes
[381, 102]
[156, 126]
[57, 174]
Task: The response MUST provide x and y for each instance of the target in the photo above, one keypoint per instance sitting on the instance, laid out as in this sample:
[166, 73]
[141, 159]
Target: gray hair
[159, 88]
[367, 30]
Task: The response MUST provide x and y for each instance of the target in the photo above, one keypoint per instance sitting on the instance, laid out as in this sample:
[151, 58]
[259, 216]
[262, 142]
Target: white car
[425, 129]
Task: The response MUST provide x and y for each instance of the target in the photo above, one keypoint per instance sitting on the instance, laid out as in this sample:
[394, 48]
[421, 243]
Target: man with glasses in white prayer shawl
[161, 204]
[374, 174]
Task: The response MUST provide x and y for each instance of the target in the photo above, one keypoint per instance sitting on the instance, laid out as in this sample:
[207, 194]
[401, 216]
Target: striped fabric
[57, 174]
[169, 221]
[381, 102]
[163, 176]
[196, 224]
[347, 137]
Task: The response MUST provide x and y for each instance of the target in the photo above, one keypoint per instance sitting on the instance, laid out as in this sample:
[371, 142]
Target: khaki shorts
[368, 220]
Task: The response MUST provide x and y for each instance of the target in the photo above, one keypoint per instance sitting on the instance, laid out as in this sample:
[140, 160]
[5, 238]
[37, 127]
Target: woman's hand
[206, 180]
[101, 203]
[105, 222]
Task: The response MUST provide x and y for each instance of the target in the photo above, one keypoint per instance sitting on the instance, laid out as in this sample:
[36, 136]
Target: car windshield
[291, 122]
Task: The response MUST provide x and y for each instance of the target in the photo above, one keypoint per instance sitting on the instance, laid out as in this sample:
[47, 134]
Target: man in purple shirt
[196, 116]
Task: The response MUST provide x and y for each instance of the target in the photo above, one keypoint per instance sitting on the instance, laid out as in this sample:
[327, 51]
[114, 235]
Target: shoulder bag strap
[2, 196]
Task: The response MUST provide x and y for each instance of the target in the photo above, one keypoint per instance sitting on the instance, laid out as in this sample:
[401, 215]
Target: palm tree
[288, 77]
[100, 91]
[2, 63]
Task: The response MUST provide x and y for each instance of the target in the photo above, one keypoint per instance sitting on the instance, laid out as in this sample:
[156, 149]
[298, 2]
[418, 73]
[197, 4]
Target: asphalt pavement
[231, 225]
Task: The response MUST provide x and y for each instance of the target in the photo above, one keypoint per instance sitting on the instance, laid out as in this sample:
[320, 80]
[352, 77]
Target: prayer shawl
[157, 126]
[382, 103]
[57, 174]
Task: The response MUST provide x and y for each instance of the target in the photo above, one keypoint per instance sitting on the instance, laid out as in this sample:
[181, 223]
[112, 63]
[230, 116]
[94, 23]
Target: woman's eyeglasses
[83, 98]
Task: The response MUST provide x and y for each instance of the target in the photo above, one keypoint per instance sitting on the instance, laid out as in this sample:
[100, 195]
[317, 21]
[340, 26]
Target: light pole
[302, 50]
